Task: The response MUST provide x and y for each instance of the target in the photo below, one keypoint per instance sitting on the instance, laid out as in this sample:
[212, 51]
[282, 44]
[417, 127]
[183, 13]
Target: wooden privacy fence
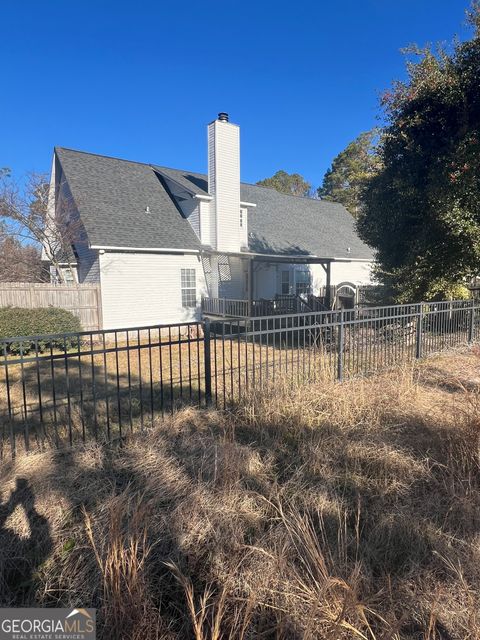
[83, 300]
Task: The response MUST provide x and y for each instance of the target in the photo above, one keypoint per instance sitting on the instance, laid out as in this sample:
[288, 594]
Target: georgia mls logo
[47, 624]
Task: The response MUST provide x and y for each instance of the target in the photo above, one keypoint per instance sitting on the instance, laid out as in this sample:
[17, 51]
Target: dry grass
[328, 511]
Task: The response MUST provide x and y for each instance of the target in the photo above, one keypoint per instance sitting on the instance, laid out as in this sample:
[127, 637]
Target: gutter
[142, 249]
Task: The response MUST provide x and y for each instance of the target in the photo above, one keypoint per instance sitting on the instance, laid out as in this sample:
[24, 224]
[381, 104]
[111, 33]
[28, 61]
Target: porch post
[250, 286]
[328, 293]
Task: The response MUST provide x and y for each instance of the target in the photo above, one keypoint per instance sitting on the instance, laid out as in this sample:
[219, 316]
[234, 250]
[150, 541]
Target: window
[63, 275]
[189, 288]
[68, 275]
[285, 288]
[302, 282]
[241, 218]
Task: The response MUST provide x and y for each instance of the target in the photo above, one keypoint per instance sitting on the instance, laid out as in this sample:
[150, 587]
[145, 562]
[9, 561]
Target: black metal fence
[62, 389]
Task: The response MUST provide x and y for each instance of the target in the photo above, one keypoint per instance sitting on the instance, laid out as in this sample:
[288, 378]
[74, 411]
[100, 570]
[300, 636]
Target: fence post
[340, 348]
[471, 321]
[419, 349]
[207, 361]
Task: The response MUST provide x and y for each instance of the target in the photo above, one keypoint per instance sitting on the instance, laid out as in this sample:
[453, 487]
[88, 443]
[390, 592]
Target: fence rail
[103, 385]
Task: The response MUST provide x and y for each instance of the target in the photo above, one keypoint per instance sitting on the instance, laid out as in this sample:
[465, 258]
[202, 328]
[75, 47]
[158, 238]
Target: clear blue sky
[140, 80]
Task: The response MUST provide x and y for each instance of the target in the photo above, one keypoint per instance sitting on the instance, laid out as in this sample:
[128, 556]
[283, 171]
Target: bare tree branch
[33, 214]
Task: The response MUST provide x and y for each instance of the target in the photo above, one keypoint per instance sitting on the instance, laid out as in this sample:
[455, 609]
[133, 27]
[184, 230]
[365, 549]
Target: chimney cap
[223, 117]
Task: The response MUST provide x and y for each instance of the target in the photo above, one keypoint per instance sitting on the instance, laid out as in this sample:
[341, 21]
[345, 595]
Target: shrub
[15, 321]
[444, 290]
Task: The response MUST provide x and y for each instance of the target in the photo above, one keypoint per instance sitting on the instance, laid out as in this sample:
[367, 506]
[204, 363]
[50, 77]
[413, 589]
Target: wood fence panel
[83, 300]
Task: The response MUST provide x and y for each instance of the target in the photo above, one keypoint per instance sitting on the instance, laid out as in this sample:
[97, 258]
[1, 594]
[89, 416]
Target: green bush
[15, 321]
[443, 290]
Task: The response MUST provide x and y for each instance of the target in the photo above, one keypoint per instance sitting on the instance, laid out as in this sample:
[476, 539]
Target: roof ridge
[289, 195]
[156, 166]
[102, 155]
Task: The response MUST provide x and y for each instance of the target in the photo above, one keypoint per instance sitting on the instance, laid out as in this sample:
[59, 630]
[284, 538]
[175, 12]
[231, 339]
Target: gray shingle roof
[194, 182]
[292, 225]
[289, 224]
[112, 194]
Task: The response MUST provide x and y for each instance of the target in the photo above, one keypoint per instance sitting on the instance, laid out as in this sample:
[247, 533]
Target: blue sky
[140, 80]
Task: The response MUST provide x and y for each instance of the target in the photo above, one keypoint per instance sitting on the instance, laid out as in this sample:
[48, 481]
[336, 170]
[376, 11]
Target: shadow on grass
[203, 490]
[22, 556]
[54, 404]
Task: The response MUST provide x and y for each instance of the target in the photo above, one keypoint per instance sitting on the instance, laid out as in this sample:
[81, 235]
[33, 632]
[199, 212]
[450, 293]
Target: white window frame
[283, 282]
[188, 291]
[307, 283]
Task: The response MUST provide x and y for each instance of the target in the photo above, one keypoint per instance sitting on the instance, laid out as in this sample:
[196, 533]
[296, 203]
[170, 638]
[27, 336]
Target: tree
[345, 179]
[20, 262]
[421, 210]
[26, 216]
[291, 183]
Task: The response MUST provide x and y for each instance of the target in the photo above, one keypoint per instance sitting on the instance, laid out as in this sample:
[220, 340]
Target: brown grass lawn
[105, 392]
[131, 386]
[326, 511]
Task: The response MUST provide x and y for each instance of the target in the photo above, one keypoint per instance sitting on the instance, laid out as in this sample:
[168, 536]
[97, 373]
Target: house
[159, 240]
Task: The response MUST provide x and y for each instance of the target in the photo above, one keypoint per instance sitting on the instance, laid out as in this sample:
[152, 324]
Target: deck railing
[280, 305]
[225, 307]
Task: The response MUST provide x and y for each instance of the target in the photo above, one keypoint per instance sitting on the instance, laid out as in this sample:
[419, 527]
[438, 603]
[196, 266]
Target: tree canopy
[345, 179]
[421, 209]
[291, 183]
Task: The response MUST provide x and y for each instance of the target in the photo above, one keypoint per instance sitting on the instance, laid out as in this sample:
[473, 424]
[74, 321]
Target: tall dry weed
[323, 511]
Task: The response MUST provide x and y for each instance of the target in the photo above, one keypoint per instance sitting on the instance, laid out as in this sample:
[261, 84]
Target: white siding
[207, 223]
[88, 266]
[190, 209]
[244, 228]
[265, 281]
[356, 272]
[144, 289]
[186, 203]
[88, 263]
[224, 183]
[267, 277]
[234, 286]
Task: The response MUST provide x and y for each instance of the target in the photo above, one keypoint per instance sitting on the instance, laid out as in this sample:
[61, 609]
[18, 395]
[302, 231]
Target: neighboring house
[159, 239]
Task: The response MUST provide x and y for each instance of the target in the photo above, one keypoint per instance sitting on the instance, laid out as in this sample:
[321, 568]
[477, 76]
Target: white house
[158, 240]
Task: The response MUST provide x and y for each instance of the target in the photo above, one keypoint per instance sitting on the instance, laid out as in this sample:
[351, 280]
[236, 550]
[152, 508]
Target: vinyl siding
[190, 209]
[207, 223]
[88, 263]
[243, 230]
[264, 281]
[358, 272]
[145, 289]
[234, 287]
[267, 279]
[224, 182]
[186, 203]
